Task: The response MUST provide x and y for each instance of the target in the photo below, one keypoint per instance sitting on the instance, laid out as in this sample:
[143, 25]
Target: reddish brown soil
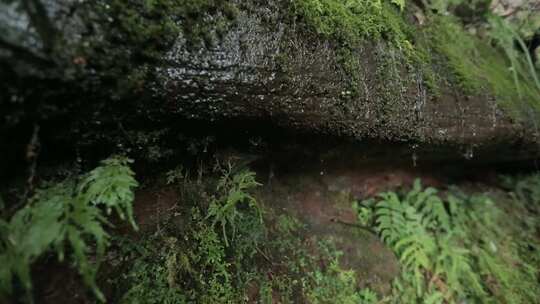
[153, 204]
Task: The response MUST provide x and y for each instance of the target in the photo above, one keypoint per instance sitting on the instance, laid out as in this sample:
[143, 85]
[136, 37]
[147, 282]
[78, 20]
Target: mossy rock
[317, 67]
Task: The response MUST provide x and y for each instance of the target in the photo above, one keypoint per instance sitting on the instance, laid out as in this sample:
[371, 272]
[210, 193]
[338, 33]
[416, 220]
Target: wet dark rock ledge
[265, 66]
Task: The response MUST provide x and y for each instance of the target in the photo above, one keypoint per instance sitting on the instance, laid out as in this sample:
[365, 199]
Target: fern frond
[454, 263]
[390, 217]
[235, 188]
[66, 214]
[111, 185]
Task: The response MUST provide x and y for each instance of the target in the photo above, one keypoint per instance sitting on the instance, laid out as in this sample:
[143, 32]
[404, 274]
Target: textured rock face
[272, 70]
[267, 68]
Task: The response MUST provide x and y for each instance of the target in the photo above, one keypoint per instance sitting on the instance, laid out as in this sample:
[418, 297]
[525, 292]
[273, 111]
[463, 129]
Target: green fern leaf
[66, 214]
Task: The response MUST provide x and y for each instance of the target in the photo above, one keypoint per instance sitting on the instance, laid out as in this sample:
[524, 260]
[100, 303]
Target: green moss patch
[473, 63]
[350, 21]
[480, 68]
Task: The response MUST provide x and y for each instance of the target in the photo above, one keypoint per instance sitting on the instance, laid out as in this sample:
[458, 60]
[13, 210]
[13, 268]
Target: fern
[404, 228]
[64, 215]
[462, 248]
[420, 230]
[390, 218]
[111, 185]
[454, 264]
[235, 189]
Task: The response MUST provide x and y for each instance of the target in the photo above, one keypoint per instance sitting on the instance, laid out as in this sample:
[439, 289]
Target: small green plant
[332, 283]
[234, 189]
[364, 212]
[179, 174]
[154, 273]
[367, 296]
[67, 217]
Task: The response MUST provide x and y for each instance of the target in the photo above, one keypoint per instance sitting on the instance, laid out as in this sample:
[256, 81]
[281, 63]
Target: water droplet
[469, 153]
[414, 155]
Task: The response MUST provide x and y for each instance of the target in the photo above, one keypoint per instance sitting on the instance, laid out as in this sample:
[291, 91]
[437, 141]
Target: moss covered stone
[468, 62]
[480, 68]
[353, 23]
[349, 69]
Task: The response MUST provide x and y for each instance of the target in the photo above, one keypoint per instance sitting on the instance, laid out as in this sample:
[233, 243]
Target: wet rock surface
[268, 67]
